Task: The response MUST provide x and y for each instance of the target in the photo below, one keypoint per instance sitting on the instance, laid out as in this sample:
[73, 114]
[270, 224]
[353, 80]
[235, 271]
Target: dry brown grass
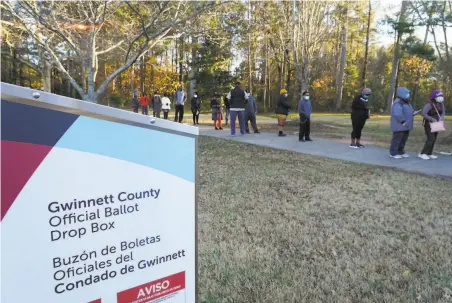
[276, 226]
[376, 131]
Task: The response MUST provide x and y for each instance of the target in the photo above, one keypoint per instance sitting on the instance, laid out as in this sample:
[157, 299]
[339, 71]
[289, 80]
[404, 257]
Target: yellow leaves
[413, 64]
[406, 273]
[323, 82]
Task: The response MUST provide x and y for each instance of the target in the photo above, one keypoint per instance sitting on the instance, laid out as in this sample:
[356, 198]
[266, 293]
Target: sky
[383, 36]
[391, 8]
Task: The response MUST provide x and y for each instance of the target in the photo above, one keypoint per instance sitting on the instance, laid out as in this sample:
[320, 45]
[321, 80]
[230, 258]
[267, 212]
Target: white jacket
[166, 102]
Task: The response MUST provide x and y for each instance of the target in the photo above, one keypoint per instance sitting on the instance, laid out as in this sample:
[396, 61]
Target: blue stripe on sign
[32, 124]
[170, 153]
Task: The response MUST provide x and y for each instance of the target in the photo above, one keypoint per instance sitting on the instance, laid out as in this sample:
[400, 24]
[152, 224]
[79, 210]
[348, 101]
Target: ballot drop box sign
[98, 204]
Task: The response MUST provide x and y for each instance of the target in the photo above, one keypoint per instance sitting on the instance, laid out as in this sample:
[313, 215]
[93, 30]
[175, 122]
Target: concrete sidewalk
[337, 150]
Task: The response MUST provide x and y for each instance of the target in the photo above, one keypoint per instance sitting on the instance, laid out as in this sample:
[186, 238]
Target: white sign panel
[95, 210]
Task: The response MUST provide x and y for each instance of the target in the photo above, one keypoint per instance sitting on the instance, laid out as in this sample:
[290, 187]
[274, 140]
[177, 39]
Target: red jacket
[144, 100]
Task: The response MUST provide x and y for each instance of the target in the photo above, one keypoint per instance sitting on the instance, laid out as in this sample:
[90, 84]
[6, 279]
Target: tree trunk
[193, 71]
[265, 73]
[250, 74]
[69, 70]
[131, 79]
[305, 74]
[45, 71]
[288, 70]
[14, 65]
[396, 59]
[418, 74]
[143, 73]
[366, 54]
[340, 77]
[446, 43]
[181, 60]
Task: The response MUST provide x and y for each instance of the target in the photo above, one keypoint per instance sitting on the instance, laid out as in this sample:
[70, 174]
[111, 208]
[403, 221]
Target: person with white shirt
[166, 105]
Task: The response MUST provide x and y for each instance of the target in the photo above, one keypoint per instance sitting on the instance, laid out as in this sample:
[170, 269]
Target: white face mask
[196, 96]
[306, 97]
[285, 95]
[440, 99]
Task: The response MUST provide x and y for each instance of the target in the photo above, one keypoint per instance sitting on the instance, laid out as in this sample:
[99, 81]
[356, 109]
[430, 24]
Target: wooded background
[100, 51]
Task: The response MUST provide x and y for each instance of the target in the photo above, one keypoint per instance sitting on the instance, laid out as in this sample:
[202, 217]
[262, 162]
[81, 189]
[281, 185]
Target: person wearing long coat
[434, 111]
[215, 105]
[282, 111]
[195, 105]
[402, 117]
[157, 102]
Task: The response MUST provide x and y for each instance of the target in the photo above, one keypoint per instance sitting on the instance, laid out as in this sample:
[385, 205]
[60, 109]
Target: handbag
[436, 127]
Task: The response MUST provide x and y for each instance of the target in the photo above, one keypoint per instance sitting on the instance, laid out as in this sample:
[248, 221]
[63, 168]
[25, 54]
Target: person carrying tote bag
[434, 112]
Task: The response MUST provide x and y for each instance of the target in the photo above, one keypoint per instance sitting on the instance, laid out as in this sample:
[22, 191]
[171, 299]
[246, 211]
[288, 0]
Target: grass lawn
[278, 226]
[375, 132]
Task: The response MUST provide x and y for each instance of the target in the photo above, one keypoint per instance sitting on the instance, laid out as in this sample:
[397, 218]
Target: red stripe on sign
[19, 161]
[96, 301]
[153, 290]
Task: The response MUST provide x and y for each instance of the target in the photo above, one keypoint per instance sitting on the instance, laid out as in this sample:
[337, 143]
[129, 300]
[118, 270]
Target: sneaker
[301, 140]
[216, 128]
[221, 128]
[257, 132]
[359, 145]
[308, 139]
[247, 131]
[353, 145]
[405, 156]
[433, 157]
[396, 156]
[423, 157]
[282, 135]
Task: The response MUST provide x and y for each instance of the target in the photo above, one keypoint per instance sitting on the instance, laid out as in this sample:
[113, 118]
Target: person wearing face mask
[282, 111]
[402, 116]
[360, 113]
[433, 111]
[195, 107]
[304, 111]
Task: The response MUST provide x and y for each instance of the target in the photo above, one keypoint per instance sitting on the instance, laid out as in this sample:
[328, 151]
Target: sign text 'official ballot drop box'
[98, 204]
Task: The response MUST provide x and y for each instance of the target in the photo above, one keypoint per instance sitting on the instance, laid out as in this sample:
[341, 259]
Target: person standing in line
[166, 105]
[237, 101]
[434, 111]
[195, 105]
[144, 102]
[135, 102]
[179, 99]
[359, 116]
[282, 111]
[157, 101]
[250, 113]
[215, 105]
[228, 109]
[304, 111]
[402, 116]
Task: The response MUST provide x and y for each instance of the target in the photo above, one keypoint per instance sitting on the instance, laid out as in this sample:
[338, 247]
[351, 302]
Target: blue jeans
[241, 116]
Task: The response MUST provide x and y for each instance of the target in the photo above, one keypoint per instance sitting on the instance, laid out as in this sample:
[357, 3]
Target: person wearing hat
[433, 111]
[237, 101]
[360, 113]
[402, 117]
[282, 111]
[304, 111]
